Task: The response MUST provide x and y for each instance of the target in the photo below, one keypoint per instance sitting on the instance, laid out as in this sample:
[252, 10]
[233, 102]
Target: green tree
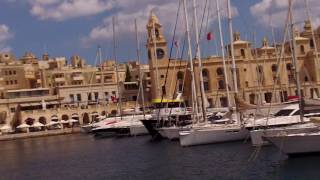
[128, 74]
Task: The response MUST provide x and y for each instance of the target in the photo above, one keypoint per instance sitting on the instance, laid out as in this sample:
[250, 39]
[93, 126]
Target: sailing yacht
[208, 133]
[305, 142]
[286, 119]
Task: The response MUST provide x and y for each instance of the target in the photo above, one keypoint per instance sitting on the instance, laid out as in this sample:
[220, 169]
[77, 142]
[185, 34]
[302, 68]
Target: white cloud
[278, 11]
[5, 35]
[60, 10]
[128, 10]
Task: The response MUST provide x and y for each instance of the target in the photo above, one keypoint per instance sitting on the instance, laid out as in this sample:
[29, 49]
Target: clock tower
[157, 56]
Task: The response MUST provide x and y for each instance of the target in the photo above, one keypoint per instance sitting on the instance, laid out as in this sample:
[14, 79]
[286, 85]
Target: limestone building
[256, 69]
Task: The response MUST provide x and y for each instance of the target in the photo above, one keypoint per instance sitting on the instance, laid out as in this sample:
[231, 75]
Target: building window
[289, 66]
[306, 79]
[114, 92]
[221, 84]
[180, 75]
[157, 33]
[14, 72]
[164, 90]
[180, 87]
[247, 84]
[206, 86]
[243, 54]
[96, 96]
[134, 98]
[89, 97]
[7, 82]
[5, 72]
[274, 68]
[311, 43]
[79, 97]
[224, 102]
[205, 73]
[268, 97]
[162, 76]
[252, 98]
[219, 71]
[11, 81]
[10, 72]
[71, 96]
[16, 81]
[302, 49]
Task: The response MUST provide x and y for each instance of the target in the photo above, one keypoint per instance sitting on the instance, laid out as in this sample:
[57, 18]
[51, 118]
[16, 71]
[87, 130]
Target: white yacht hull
[297, 143]
[137, 130]
[256, 135]
[172, 133]
[209, 135]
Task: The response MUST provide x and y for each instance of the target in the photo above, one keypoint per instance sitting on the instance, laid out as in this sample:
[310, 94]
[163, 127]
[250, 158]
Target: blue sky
[68, 27]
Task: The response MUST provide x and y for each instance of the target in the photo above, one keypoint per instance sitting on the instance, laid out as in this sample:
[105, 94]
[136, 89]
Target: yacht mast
[140, 72]
[222, 52]
[116, 64]
[294, 59]
[203, 95]
[234, 70]
[193, 86]
[101, 72]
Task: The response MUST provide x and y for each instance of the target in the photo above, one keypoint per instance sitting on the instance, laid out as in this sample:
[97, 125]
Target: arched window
[205, 73]
[221, 84]
[252, 98]
[180, 75]
[302, 49]
[274, 68]
[289, 66]
[243, 54]
[157, 33]
[311, 43]
[219, 71]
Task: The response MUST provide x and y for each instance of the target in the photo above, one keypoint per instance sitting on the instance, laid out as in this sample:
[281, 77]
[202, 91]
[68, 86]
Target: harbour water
[80, 156]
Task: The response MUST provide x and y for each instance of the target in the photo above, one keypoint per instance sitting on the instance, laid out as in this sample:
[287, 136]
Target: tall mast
[203, 95]
[222, 52]
[294, 59]
[101, 72]
[116, 64]
[140, 72]
[234, 70]
[193, 86]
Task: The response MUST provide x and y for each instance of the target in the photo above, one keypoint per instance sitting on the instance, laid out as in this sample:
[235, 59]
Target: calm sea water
[83, 157]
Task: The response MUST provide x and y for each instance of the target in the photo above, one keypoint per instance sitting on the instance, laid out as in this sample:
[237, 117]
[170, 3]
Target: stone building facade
[256, 69]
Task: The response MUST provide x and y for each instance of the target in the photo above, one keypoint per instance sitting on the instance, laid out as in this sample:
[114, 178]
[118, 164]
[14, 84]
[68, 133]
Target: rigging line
[282, 54]
[172, 43]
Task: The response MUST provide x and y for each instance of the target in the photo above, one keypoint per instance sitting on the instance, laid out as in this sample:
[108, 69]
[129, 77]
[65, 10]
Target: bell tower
[157, 56]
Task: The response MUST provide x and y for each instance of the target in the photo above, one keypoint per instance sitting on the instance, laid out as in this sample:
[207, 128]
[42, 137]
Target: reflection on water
[83, 157]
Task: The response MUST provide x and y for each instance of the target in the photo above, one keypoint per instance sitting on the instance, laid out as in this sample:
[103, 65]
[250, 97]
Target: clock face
[160, 53]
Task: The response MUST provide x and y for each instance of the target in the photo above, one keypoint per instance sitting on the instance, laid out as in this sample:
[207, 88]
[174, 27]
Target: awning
[30, 104]
[37, 124]
[73, 121]
[52, 123]
[24, 125]
[74, 115]
[64, 121]
[5, 127]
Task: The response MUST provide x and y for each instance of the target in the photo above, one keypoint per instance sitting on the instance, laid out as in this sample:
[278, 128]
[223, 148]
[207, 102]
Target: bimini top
[158, 100]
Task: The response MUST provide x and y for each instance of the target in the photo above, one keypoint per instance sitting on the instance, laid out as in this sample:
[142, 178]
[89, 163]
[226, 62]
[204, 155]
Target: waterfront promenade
[7, 137]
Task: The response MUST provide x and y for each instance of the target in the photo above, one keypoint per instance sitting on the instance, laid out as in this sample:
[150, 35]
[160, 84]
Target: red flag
[114, 99]
[209, 36]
